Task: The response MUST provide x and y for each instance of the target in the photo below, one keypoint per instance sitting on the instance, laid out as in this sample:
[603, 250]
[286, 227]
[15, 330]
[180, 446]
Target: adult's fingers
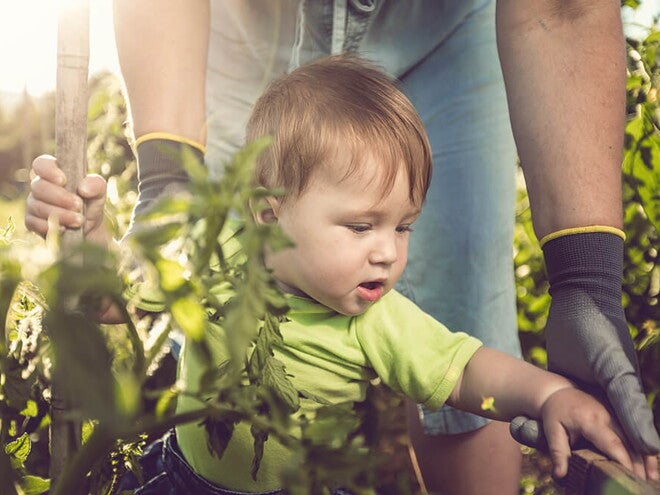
[45, 166]
[37, 225]
[607, 439]
[93, 189]
[38, 212]
[52, 194]
[627, 398]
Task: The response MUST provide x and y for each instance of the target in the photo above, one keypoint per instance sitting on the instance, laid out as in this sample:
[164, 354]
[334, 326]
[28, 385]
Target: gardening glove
[587, 334]
[160, 172]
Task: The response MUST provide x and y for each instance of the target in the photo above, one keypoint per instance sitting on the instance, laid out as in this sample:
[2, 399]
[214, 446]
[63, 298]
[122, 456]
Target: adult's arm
[564, 69]
[162, 47]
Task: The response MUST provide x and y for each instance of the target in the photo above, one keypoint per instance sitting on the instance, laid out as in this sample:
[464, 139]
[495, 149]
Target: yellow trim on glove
[170, 137]
[583, 230]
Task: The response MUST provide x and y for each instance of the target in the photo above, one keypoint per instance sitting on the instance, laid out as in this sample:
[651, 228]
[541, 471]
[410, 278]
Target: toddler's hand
[48, 197]
[569, 414]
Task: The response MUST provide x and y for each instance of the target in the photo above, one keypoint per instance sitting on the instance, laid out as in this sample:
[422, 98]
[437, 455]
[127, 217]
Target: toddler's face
[351, 238]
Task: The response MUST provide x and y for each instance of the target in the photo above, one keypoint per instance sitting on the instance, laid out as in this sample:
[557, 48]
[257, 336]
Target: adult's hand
[587, 334]
[49, 198]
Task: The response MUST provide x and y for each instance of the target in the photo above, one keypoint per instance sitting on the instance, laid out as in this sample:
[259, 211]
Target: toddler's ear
[265, 209]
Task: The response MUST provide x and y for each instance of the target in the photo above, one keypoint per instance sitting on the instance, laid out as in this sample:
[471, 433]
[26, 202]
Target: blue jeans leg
[460, 266]
[166, 472]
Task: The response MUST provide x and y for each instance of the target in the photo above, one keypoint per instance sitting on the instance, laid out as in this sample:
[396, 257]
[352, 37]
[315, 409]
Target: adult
[192, 70]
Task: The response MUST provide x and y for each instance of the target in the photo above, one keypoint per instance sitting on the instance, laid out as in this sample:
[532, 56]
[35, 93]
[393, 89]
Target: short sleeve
[412, 352]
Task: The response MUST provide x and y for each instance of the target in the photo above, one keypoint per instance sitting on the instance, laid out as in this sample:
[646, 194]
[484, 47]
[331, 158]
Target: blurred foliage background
[26, 129]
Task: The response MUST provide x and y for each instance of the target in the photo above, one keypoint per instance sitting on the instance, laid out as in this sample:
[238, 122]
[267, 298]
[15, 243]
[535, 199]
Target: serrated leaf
[260, 436]
[20, 448]
[218, 435]
[275, 378]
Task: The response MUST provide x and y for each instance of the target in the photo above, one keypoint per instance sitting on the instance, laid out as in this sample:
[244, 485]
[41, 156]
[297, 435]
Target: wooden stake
[71, 139]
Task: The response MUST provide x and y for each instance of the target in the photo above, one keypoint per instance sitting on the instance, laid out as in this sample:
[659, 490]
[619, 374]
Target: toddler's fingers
[559, 447]
[651, 467]
[45, 166]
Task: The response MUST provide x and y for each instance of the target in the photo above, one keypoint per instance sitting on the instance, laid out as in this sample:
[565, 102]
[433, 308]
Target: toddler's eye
[404, 228]
[359, 227]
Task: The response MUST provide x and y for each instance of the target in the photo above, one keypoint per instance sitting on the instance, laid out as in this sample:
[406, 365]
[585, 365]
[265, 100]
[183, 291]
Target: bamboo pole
[71, 139]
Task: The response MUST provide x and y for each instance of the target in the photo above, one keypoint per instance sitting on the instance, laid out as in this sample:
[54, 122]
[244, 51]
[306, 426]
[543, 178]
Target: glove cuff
[587, 263]
[166, 136]
[160, 171]
[582, 230]
[160, 155]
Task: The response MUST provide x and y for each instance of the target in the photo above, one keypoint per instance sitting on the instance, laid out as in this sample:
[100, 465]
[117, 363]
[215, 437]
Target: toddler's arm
[517, 387]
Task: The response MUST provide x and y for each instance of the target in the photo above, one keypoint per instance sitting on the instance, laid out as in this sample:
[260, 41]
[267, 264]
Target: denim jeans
[460, 267]
[166, 472]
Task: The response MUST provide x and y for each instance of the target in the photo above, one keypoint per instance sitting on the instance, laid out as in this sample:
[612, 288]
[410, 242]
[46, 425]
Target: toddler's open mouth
[370, 291]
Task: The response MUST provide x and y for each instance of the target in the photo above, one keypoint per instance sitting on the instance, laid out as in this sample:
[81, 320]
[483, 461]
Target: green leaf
[654, 37]
[275, 378]
[20, 448]
[31, 409]
[17, 389]
[260, 436]
[641, 163]
[34, 485]
[218, 434]
[127, 393]
[164, 402]
[332, 425]
[171, 274]
[190, 316]
[82, 364]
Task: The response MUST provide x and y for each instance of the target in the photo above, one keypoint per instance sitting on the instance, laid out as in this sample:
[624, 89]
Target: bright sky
[28, 40]
[28, 43]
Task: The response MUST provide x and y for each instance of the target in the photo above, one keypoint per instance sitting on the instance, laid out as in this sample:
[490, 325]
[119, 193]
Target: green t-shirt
[332, 356]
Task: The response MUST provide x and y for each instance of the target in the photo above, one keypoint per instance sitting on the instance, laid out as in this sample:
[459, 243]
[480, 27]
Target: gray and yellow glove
[587, 335]
[160, 170]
